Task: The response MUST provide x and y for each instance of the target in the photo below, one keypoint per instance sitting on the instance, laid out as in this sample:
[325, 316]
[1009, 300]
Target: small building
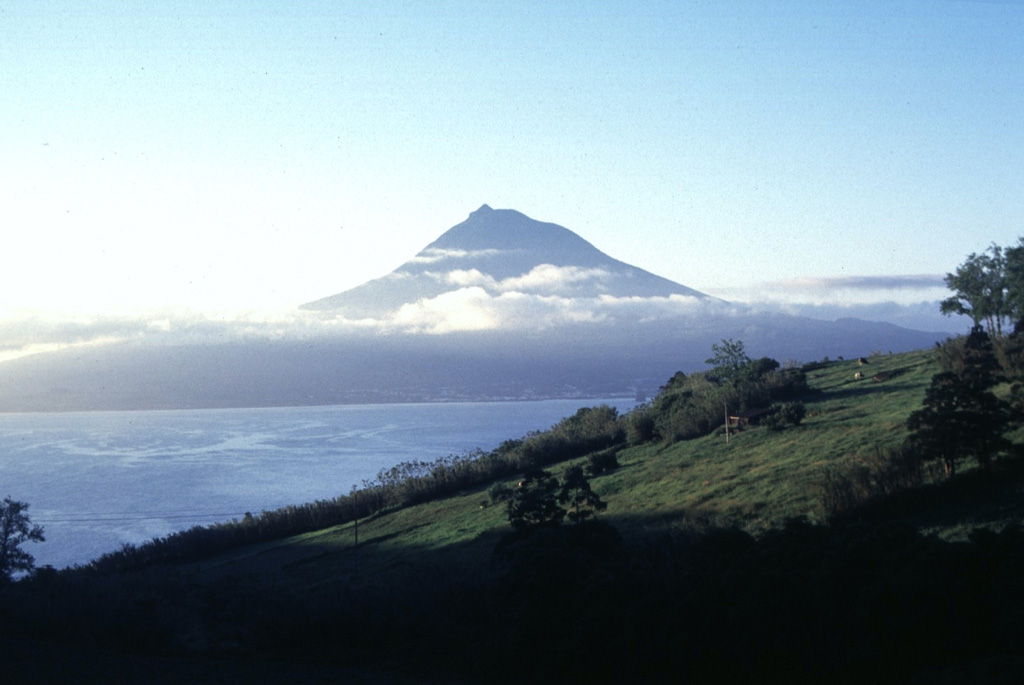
[750, 417]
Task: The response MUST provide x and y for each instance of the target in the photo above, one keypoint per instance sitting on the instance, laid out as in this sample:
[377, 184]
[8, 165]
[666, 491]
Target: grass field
[756, 481]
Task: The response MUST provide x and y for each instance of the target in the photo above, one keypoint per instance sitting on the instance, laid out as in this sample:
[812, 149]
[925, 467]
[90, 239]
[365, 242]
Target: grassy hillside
[757, 480]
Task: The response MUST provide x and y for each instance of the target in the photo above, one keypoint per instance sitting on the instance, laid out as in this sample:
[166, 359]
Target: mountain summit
[502, 251]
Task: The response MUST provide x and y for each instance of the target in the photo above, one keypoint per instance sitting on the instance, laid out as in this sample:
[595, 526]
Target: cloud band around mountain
[828, 283]
[474, 302]
[543, 277]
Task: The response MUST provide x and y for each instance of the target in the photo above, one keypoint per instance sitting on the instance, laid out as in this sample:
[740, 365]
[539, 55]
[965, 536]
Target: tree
[533, 503]
[732, 365]
[728, 360]
[583, 502]
[1013, 264]
[942, 427]
[980, 288]
[978, 366]
[961, 416]
[15, 530]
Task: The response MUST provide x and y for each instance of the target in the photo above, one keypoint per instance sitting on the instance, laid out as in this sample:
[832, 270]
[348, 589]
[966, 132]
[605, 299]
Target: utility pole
[725, 405]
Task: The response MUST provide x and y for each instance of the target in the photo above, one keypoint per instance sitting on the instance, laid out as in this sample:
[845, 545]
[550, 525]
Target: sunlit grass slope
[756, 480]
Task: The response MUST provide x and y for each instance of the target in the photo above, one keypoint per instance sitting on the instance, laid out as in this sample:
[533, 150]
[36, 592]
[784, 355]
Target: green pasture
[756, 480]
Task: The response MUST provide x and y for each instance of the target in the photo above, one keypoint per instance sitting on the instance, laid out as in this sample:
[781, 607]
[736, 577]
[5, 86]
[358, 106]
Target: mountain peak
[502, 249]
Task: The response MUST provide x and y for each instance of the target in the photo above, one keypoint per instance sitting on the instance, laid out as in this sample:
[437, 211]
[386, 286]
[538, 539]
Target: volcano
[501, 251]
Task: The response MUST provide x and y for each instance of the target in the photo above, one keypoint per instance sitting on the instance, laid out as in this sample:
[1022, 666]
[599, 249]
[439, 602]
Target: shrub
[847, 487]
[499, 492]
[785, 416]
[600, 462]
[640, 427]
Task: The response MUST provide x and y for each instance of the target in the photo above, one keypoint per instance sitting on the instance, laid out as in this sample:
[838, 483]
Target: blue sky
[251, 156]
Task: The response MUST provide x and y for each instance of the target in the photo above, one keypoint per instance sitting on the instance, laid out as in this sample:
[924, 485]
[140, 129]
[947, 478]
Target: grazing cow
[862, 361]
[879, 377]
[857, 376]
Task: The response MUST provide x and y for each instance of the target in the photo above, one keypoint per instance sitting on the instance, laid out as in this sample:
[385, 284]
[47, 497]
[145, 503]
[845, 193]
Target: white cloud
[543, 277]
[553, 278]
[30, 334]
[672, 305]
[839, 290]
[474, 309]
[465, 309]
[476, 302]
[893, 282]
[432, 255]
[464, 278]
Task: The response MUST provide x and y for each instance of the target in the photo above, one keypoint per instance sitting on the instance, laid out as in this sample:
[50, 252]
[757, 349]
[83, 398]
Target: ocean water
[95, 480]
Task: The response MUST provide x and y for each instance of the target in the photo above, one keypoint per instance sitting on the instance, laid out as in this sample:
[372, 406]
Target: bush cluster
[785, 416]
[691, 406]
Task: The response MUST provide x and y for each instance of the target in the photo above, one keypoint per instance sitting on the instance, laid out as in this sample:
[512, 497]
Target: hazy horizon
[211, 166]
[541, 299]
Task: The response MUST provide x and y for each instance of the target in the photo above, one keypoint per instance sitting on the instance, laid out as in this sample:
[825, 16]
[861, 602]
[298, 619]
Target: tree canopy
[533, 502]
[576, 492]
[728, 360]
[731, 364]
[961, 416]
[15, 530]
[989, 288]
